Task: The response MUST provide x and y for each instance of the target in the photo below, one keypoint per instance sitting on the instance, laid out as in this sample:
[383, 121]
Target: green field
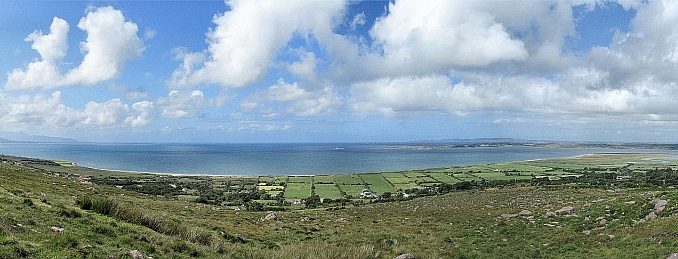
[466, 177]
[327, 191]
[300, 179]
[501, 176]
[405, 186]
[414, 174]
[323, 179]
[377, 183]
[425, 179]
[444, 178]
[473, 169]
[352, 190]
[275, 180]
[349, 179]
[397, 178]
[297, 190]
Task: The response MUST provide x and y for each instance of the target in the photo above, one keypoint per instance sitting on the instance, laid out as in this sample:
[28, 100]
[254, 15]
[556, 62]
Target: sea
[283, 159]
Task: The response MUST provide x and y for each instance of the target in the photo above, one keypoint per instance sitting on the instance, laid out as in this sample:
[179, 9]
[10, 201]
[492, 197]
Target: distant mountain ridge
[6, 136]
[478, 141]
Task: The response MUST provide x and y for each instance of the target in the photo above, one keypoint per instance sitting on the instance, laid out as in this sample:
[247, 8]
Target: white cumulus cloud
[246, 38]
[44, 72]
[111, 41]
[182, 104]
[294, 99]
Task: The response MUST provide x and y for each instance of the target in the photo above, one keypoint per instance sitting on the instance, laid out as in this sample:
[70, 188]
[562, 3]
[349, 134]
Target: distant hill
[6, 136]
[477, 141]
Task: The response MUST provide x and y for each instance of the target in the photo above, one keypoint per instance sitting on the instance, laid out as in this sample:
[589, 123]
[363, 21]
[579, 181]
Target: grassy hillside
[42, 216]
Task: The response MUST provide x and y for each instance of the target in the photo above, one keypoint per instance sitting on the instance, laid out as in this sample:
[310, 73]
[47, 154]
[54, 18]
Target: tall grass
[113, 208]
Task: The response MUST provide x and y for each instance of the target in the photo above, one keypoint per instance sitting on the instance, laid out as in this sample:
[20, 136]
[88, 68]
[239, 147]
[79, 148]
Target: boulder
[525, 213]
[135, 254]
[650, 216]
[272, 217]
[404, 256]
[673, 256]
[57, 229]
[565, 210]
[602, 222]
[659, 205]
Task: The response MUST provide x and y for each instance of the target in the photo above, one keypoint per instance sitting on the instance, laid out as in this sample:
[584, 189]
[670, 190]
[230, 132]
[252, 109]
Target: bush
[68, 212]
[21, 252]
[84, 202]
[104, 206]
[312, 202]
[28, 202]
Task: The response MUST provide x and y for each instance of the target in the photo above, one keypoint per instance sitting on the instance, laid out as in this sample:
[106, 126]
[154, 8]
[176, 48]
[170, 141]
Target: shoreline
[190, 174]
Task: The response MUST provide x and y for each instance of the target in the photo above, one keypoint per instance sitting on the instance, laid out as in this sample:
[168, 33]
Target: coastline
[189, 174]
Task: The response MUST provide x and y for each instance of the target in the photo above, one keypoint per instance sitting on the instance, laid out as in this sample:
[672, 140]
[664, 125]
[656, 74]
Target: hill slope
[39, 217]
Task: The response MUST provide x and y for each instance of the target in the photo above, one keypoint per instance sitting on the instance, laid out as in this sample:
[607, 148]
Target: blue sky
[326, 71]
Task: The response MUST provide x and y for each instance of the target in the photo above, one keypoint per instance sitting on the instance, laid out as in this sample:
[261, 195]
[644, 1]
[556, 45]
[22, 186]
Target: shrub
[21, 252]
[312, 202]
[84, 202]
[28, 202]
[68, 212]
[104, 206]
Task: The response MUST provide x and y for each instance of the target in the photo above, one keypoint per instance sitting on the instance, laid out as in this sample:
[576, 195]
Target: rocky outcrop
[404, 256]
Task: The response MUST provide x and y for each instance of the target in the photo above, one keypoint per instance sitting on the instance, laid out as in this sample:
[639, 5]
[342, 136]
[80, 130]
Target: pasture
[377, 183]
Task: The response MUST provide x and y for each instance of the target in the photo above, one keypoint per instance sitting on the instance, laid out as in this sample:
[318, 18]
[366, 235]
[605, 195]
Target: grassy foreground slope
[39, 218]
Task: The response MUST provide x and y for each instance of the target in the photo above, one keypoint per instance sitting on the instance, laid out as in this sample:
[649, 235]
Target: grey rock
[135, 254]
[404, 256]
[673, 256]
[650, 216]
[659, 205]
[272, 217]
[565, 210]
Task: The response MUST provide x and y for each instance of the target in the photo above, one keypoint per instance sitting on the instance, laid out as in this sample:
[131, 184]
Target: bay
[282, 159]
